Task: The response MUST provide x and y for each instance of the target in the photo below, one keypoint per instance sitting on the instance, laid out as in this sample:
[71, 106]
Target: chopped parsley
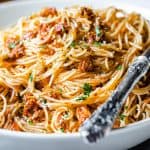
[31, 77]
[43, 100]
[30, 122]
[60, 90]
[97, 43]
[98, 31]
[87, 90]
[62, 130]
[126, 107]
[119, 67]
[11, 45]
[83, 97]
[73, 44]
[66, 115]
[122, 116]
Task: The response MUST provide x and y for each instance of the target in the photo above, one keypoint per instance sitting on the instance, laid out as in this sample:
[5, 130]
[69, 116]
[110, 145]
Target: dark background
[143, 146]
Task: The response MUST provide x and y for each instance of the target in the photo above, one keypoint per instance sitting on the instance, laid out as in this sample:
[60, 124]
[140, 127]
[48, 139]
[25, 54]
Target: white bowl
[117, 140]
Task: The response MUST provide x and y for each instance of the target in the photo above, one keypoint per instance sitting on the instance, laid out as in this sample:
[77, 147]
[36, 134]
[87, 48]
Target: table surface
[143, 3]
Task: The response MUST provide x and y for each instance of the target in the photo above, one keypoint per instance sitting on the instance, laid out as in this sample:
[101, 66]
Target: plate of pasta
[61, 60]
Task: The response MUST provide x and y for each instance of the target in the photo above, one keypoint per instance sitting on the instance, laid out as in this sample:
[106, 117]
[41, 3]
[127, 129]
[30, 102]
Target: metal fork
[101, 121]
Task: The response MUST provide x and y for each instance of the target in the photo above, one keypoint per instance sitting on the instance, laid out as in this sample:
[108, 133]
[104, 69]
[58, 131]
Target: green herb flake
[122, 116]
[60, 90]
[62, 130]
[66, 115]
[11, 45]
[87, 90]
[30, 122]
[126, 107]
[31, 77]
[83, 97]
[98, 31]
[97, 43]
[73, 44]
[119, 67]
[44, 101]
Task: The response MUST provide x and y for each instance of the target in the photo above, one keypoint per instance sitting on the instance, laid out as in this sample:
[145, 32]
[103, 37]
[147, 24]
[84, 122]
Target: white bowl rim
[20, 134]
